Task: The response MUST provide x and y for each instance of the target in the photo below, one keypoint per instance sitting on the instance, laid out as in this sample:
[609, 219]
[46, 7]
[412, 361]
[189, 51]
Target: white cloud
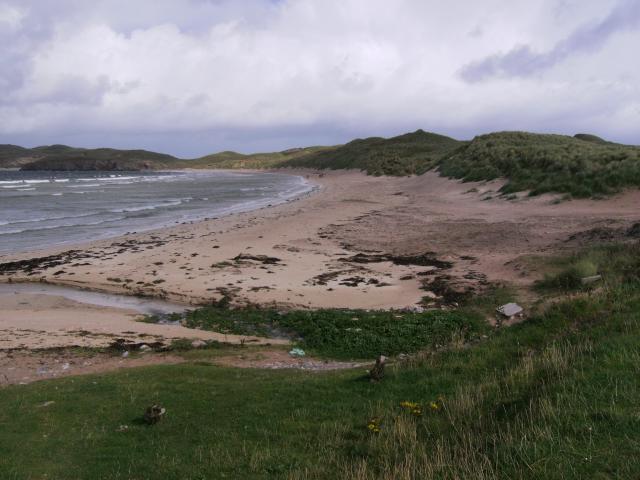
[11, 17]
[369, 66]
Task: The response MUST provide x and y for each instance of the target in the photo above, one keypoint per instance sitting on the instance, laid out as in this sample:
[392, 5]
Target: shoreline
[80, 244]
[356, 242]
[227, 223]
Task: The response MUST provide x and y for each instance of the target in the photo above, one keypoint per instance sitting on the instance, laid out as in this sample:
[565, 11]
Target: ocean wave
[153, 206]
[139, 207]
[37, 181]
[115, 179]
[65, 225]
[46, 219]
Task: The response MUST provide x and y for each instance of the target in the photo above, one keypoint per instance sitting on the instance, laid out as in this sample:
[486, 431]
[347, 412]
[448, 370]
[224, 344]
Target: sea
[44, 209]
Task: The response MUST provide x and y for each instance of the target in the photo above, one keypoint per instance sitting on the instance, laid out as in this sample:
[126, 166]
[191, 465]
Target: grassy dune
[233, 160]
[412, 153]
[581, 167]
[555, 397]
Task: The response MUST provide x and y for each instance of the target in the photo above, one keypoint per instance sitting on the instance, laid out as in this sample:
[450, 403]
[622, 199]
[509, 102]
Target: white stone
[510, 309]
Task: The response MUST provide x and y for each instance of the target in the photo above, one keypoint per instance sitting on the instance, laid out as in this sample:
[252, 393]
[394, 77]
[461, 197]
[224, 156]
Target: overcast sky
[191, 77]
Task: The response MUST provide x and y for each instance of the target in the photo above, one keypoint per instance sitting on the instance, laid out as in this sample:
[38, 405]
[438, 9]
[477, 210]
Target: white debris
[591, 279]
[297, 352]
[510, 310]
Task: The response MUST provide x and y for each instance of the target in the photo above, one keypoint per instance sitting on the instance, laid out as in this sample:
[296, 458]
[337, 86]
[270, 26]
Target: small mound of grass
[617, 264]
[570, 278]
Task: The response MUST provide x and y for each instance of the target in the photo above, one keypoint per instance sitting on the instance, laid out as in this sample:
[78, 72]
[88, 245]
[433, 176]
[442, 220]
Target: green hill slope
[412, 153]
[546, 163]
[587, 137]
[233, 160]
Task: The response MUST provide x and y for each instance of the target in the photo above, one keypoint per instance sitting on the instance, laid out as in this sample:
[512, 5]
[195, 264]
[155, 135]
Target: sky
[192, 77]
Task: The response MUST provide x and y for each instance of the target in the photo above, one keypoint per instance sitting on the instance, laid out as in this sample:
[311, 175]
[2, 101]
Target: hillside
[63, 157]
[233, 160]
[581, 166]
[412, 153]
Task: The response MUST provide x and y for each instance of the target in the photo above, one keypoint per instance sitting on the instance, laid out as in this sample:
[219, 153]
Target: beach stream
[146, 306]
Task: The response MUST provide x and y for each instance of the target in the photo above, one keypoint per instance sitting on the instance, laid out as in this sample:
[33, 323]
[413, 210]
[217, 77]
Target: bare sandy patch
[44, 321]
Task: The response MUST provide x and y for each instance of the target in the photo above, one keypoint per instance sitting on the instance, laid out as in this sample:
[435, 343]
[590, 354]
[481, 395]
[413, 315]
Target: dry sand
[300, 254]
[42, 321]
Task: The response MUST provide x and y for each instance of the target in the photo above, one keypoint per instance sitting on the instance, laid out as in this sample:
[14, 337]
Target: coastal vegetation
[555, 396]
[344, 334]
[409, 154]
[234, 160]
[580, 166]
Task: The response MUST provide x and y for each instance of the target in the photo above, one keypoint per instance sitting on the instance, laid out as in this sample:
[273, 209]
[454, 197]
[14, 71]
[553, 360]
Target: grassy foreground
[557, 396]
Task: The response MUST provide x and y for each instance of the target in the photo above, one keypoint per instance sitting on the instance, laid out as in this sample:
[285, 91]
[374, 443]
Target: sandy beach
[357, 242]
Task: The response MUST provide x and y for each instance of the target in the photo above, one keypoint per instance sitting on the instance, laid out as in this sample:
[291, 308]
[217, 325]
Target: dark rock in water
[153, 414]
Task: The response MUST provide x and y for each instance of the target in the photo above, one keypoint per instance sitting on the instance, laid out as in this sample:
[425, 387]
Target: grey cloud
[522, 61]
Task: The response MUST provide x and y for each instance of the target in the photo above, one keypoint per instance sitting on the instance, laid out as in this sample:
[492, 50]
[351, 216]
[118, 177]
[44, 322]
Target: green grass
[409, 154]
[234, 160]
[546, 163]
[618, 264]
[580, 166]
[344, 333]
[556, 397]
